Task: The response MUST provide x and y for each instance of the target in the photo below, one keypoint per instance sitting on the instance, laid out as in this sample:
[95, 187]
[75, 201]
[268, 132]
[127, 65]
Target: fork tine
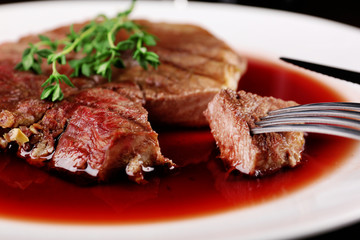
[324, 120]
[315, 128]
[321, 106]
[317, 113]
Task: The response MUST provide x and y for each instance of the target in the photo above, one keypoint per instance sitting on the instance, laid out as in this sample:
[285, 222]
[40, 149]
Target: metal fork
[334, 118]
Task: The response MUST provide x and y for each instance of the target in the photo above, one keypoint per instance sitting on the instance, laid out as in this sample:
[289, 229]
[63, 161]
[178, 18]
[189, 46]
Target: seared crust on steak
[231, 115]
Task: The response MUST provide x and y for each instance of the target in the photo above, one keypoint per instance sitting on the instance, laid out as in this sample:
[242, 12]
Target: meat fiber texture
[101, 128]
[232, 114]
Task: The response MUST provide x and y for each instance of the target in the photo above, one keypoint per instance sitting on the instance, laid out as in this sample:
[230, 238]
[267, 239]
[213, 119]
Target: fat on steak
[232, 114]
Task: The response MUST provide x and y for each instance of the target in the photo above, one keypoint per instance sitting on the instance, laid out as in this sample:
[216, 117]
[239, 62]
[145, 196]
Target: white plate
[325, 204]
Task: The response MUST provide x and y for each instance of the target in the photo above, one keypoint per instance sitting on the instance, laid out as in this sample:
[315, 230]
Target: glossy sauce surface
[200, 186]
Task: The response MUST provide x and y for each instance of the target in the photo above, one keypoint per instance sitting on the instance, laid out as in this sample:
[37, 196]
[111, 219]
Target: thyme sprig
[96, 41]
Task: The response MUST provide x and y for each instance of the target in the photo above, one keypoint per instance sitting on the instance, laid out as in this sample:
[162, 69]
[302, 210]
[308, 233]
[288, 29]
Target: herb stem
[54, 71]
[111, 32]
[71, 47]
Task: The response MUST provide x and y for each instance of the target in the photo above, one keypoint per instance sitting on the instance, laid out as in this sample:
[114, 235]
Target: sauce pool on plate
[199, 187]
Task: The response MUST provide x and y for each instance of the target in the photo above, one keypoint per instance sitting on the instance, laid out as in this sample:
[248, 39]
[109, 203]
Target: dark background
[344, 11]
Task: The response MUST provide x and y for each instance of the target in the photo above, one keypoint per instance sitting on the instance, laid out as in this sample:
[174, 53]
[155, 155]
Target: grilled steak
[231, 115]
[101, 128]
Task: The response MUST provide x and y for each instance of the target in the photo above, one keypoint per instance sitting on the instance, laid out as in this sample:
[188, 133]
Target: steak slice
[231, 115]
[195, 65]
[95, 133]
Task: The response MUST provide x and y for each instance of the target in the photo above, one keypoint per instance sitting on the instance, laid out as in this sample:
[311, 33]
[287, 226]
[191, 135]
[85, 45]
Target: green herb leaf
[86, 70]
[125, 45]
[88, 48]
[27, 61]
[44, 38]
[72, 35]
[129, 25]
[66, 80]
[36, 67]
[57, 93]
[44, 53]
[149, 40]
[47, 92]
[19, 66]
[103, 68]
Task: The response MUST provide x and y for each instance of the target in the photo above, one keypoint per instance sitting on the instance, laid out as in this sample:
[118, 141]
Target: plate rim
[346, 218]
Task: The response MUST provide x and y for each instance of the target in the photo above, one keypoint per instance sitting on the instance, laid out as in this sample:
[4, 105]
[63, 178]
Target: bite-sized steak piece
[101, 143]
[95, 133]
[232, 114]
